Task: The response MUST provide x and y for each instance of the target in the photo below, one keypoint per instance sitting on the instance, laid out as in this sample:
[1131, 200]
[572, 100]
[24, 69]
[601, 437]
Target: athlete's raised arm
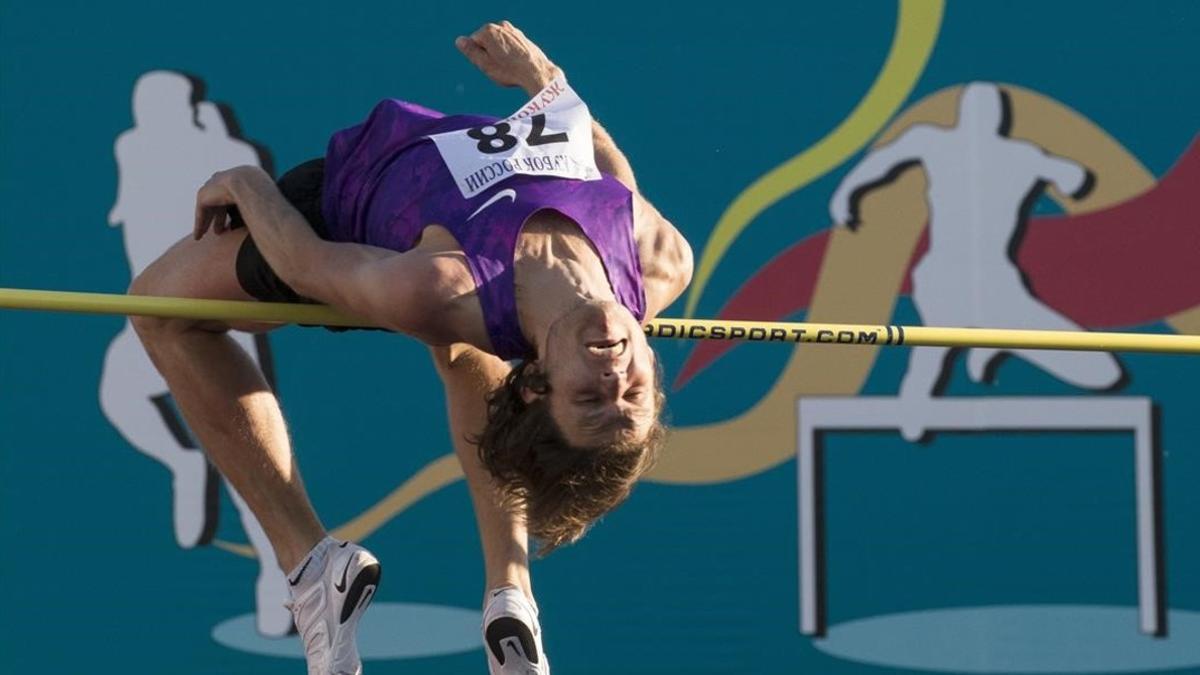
[399, 291]
[510, 59]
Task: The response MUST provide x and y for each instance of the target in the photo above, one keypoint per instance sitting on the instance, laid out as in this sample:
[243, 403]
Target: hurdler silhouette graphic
[981, 184]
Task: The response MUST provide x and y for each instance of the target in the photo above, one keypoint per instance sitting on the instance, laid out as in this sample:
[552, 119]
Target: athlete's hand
[216, 198]
[507, 57]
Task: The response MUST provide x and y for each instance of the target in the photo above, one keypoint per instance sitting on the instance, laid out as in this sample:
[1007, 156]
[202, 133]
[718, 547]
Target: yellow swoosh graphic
[917, 28]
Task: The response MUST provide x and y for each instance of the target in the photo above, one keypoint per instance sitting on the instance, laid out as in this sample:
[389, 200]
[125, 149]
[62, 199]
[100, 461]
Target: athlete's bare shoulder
[664, 254]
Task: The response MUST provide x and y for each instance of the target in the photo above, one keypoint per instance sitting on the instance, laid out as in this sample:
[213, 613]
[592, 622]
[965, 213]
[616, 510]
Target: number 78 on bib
[551, 135]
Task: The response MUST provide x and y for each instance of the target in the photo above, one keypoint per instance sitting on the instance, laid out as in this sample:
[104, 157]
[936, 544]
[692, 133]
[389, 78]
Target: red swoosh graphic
[1133, 263]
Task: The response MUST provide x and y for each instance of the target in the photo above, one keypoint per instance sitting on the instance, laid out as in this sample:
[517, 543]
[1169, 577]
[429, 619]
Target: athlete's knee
[150, 329]
[146, 327]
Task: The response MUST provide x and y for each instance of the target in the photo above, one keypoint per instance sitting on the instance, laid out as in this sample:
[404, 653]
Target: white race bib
[549, 136]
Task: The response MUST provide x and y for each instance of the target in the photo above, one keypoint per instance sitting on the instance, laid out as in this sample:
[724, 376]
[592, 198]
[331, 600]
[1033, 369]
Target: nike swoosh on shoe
[341, 586]
[299, 574]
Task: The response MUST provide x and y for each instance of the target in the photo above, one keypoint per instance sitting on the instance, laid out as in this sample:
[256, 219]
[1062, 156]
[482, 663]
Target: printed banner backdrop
[831, 509]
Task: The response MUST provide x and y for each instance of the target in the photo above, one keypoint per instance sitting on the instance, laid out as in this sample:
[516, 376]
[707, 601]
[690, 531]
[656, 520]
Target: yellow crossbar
[694, 329]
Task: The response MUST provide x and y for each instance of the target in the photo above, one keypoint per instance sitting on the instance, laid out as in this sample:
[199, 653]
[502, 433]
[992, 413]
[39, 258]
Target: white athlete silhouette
[174, 147]
[979, 180]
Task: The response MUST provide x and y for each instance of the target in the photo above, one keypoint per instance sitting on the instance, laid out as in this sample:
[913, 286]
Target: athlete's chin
[604, 321]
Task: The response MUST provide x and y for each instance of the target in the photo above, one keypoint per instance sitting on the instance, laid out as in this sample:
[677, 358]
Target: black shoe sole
[362, 590]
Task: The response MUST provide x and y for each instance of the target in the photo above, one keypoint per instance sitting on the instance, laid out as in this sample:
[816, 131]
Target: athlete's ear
[533, 383]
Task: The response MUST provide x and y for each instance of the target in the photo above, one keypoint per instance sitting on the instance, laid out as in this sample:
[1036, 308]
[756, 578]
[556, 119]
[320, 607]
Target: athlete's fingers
[220, 220]
[203, 211]
[491, 37]
[465, 42]
[515, 34]
[210, 220]
[213, 200]
[471, 49]
[201, 224]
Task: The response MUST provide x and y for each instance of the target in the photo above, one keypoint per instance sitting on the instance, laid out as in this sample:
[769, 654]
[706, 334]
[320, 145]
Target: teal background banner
[699, 572]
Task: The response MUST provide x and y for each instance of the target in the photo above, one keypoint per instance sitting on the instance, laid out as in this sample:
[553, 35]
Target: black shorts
[302, 188]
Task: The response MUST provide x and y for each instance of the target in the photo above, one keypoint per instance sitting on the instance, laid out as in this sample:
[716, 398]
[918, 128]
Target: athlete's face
[601, 373]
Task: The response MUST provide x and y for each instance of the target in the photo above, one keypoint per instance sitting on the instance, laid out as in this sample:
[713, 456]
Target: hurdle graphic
[818, 416]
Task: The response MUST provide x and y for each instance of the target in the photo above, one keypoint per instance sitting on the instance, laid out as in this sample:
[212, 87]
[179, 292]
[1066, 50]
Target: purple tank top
[385, 182]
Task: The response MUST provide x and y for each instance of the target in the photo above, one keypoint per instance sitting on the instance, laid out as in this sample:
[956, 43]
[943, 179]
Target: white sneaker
[512, 635]
[328, 610]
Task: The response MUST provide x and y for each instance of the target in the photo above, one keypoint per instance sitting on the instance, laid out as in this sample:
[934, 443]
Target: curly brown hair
[560, 488]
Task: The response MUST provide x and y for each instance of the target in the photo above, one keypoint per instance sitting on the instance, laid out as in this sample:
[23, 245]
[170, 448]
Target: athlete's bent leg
[236, 418]
[271, 614]
[222, 394]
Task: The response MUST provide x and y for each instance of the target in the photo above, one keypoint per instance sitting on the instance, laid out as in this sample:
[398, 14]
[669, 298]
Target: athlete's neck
[556, 268]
